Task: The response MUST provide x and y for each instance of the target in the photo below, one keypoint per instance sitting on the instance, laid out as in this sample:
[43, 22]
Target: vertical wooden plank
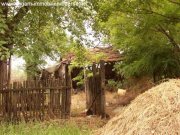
[86, 87]
[102, 95]
[18, 104]
[14, 100]
[58, 102]
[59, 84]
[1, 109]
[24, 91]
[10, 105]
[23, 101]
[43, 103]
[99, 96]
[68, 92]
[34, 101]
[51, 91]
[38, 100]
[52, 99]
[3, 103]
[94, 89]
[63, 93]
[94, 94]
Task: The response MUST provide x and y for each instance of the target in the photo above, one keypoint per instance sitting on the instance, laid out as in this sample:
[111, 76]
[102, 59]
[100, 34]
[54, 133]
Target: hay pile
[156, 112]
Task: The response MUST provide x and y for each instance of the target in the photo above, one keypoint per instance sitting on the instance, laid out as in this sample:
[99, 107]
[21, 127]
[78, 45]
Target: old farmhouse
[110, 57]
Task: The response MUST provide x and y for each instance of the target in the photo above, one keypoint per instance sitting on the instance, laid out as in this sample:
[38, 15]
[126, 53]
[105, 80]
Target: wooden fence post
[25, 101]
[95, 91]
[86, 87]
[66, 93]
[102, 75]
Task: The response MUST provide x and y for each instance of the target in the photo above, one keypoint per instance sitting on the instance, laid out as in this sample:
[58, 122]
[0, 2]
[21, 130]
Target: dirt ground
[78, 116]
[114, 104]
[78, 103]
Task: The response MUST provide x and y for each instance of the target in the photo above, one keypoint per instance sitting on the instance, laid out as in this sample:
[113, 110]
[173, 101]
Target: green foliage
[89, 74]
[83, 56]
[42, 129]
[147, 32]
[4, 52]
[39, 36]
[79, 78]
[40, 31]
[147, 60]
[80, 52]
[113, 84]
[96, 57]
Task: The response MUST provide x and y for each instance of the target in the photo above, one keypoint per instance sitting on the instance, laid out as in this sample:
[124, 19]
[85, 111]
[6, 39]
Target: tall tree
[9, 23]
[26, 30]
[147, 31]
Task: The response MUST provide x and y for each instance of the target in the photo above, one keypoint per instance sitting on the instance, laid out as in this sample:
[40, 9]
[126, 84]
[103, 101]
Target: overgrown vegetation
[147, 32]
[42, 129]
[114, 85]
[35, 32]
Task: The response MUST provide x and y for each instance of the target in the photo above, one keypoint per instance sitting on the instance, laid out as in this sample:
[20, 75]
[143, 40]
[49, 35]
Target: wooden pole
[102, 75]
[66, 93]
[86, 87]
[68, 89]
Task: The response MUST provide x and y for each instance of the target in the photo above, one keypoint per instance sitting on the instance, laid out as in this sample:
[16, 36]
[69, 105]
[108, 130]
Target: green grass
[42, 129]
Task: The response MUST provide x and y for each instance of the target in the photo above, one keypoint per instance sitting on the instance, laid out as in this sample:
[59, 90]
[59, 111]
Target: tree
[146, 31]
[9, 24]
[26, 32]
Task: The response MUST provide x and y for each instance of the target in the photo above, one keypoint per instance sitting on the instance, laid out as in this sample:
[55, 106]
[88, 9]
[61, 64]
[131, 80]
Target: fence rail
[35, 100]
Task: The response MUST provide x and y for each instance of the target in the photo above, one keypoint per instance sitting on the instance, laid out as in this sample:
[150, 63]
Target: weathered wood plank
[28, 101]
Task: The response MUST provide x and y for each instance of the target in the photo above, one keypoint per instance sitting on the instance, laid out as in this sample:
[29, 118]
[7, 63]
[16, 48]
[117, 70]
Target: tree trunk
[3, 74]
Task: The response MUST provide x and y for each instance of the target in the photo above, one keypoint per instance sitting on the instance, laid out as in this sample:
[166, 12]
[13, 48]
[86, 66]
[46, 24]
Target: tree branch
[18, 17]
[171, 39]
[174, 2]
[153, 12]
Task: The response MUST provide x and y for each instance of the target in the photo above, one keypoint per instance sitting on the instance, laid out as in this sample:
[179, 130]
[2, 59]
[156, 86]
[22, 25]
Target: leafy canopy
[36, 32]
[147, 31]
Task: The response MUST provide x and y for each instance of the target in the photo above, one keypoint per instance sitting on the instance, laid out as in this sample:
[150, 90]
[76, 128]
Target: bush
[113, 85]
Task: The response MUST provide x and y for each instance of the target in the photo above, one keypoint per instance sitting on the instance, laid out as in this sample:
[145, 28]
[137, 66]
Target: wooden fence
[36, 100]
[95, 101]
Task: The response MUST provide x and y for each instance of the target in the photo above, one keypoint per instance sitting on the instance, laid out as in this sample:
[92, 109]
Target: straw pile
[156, 112]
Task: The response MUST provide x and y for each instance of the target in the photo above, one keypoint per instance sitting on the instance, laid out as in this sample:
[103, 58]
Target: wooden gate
[95, 90]
[36, 100]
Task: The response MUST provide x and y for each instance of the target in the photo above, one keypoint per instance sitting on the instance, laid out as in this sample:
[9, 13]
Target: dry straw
[155, 112]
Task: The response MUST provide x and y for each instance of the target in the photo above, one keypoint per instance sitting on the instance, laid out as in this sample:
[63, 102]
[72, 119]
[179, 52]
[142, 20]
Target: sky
[18, 63]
